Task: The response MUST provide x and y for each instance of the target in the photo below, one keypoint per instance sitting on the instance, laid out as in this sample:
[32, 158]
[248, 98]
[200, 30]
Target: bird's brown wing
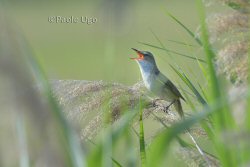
[170, 85]
[178, 108]
[174, 89]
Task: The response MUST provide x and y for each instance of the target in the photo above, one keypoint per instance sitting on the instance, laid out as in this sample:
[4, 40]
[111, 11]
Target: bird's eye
[141, 56]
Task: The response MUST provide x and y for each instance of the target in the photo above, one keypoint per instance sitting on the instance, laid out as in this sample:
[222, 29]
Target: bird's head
[144, 57]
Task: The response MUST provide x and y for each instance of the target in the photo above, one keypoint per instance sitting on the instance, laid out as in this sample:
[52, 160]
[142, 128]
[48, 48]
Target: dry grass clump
[229, 37]
[229, 34]
[233, 61]
[241, 5]
[90, 105]
[230, 24]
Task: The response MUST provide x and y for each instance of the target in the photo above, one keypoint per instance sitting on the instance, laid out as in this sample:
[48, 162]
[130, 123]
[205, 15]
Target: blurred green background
[101, 51]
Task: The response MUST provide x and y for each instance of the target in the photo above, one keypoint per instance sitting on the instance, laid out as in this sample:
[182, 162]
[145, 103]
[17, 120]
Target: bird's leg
[167, 107]
[154, 102]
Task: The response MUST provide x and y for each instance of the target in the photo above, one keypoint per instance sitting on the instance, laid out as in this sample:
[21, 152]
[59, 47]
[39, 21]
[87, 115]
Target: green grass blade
[171, 51]
[142, 141]
[116, 163]
[185, 28]
[189, 101]
[180, 141]
[167, 50]
[209, 52]
[204, 71]
[247, 120]
[130, 153]
[223, 119]
[123, 125]
[203, 92]
[118, 129]
[136, 133]
[156, 37]
[191, 86]
[224, 116]
[181, 43]
[160, 146]
[204, 124]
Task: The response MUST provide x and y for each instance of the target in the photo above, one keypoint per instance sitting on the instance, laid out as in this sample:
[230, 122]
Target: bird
[157, 83]
[161, 86]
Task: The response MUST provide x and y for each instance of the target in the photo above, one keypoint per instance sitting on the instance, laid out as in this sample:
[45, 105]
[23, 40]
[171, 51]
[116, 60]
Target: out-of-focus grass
[142, 140]
[37, 115]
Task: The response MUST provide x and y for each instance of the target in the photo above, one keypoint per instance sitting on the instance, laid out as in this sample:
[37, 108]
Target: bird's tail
[178, 108]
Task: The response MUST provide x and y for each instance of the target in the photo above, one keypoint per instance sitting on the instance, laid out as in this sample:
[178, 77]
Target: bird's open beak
[141, 56]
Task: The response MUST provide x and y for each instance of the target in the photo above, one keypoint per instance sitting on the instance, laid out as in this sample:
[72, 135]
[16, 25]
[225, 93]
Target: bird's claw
[166, 109]
[154, 102]
[163, 108]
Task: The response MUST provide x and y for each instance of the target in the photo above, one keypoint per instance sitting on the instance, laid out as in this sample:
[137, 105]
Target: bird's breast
[147, 79]
[152, 83]
[158, 87]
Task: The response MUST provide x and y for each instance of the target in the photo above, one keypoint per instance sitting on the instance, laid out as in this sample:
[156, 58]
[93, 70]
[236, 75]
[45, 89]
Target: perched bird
[156, 82]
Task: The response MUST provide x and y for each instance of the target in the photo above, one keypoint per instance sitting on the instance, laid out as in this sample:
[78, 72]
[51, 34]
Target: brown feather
[178, 108]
